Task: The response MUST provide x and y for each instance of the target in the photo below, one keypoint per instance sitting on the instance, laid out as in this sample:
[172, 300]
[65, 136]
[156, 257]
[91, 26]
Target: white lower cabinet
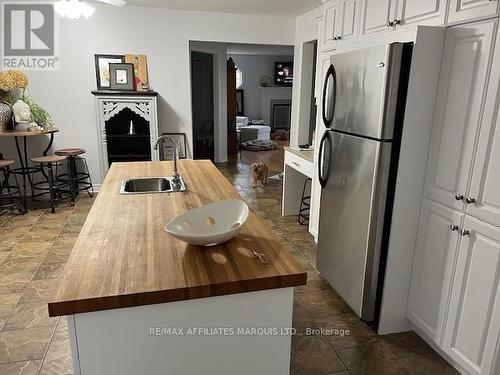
[435, 256]
[455, 288]
[473, 324]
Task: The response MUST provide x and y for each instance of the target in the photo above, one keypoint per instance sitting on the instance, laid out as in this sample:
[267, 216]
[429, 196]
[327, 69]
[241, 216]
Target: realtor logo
[30, 36]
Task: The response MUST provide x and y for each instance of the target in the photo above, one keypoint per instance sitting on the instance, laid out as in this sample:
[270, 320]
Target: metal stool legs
[55, 189]
[305, 204]
[78, 181]
[12, 194]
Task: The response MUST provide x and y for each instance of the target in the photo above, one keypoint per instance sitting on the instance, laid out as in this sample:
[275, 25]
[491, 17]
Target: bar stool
[55, 189]
[78, 181]
[10, 195]
[305, 204]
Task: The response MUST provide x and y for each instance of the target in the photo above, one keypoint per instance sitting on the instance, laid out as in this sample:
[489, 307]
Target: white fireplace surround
[109, 105]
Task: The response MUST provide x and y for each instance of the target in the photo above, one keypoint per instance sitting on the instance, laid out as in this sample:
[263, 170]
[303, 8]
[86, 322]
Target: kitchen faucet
[176, 178]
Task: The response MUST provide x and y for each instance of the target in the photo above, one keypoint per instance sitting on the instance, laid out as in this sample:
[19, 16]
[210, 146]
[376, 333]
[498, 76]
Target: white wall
[253, 67]
[163, 35]
[306, 30]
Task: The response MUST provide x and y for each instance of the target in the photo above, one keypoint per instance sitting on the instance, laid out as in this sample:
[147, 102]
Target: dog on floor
[260, 172]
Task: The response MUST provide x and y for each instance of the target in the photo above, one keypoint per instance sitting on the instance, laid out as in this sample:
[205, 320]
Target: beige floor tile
[58, 360]
[40, 290]
[29, 315]
[50, 271]
[20, 368]
[24, 345]
[8, 302]
[14, 282]
[61, 332]
[312, 355]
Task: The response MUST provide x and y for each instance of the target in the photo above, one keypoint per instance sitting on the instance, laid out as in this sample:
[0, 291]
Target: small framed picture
[167, 151]
[121, 77]
[102, 69]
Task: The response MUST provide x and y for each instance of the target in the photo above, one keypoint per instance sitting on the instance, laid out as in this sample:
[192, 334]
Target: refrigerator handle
[324, 165]
[329, 97]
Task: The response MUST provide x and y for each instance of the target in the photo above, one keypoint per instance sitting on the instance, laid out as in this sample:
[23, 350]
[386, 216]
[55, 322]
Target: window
[239, 78]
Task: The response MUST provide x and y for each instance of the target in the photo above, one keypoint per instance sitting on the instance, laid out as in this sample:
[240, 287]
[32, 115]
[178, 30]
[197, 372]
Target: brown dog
[260, 172]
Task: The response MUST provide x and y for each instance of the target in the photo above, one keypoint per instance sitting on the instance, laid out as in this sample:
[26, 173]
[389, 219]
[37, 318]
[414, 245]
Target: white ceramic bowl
[211, 224]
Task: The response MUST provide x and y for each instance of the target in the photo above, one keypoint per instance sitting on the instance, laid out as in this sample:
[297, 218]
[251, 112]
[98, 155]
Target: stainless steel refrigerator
[364, 96]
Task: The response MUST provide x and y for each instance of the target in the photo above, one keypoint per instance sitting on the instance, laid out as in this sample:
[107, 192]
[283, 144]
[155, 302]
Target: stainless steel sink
[148, 185]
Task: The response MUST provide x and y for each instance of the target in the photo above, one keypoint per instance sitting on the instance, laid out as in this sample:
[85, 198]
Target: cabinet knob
[453, 227]
[397, 22]
[390, 23]
[339, 37]
[470, 200]
[459, 197]
[465, 232]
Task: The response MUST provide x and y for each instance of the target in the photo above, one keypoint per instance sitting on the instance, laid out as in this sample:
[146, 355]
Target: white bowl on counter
[211, 224]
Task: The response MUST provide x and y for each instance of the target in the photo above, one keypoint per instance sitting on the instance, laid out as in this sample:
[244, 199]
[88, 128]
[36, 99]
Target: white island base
[120, 341]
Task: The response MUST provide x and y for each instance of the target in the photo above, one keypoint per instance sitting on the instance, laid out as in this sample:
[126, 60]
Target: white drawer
[303, 166]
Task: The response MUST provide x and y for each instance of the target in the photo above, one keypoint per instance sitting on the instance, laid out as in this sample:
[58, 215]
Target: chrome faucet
[176, 178]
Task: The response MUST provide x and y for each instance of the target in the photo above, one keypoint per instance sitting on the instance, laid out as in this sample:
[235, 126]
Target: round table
[25, 169]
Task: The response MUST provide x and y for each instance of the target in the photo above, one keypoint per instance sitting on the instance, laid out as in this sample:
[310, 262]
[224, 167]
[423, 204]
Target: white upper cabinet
[473, 324]
[377, 16]
[435, 253]
[466, 10]
[350, 12]
[421, 12]
[330, 25]
[461, 94]
[484, 191]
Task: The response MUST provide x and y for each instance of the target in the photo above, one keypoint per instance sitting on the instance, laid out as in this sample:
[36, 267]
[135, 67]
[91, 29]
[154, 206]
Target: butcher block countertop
[123, 256]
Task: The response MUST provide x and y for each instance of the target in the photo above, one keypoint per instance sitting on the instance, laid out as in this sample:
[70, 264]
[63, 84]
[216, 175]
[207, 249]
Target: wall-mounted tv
[283, 73]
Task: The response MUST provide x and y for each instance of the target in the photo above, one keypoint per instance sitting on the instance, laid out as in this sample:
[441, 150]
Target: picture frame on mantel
[102, 69]
[121, 77]
[167, 151]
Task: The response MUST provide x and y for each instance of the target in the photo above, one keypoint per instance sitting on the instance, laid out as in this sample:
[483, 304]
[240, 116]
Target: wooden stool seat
[70, 151]
[6, 163]
[48, 159]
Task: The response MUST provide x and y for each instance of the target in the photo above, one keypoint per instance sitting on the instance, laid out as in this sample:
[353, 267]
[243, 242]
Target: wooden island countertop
[123, 257]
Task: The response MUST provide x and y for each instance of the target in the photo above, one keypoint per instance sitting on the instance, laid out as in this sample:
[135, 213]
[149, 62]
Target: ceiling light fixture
[73, 9]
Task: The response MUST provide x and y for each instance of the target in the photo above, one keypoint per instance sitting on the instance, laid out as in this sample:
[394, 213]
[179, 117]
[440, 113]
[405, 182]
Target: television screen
[283, 73]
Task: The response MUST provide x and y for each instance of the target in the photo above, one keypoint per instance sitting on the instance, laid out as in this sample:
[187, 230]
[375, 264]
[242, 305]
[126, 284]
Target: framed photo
[240, 103]
[121, 77]
[102, 69]
[167, 151]
[140, 71]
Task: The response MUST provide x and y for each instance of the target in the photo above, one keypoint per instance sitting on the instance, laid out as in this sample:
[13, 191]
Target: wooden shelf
[123, 93]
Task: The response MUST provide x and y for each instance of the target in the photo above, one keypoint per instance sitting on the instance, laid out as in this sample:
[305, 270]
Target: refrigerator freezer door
[352, 218]
[367, 87]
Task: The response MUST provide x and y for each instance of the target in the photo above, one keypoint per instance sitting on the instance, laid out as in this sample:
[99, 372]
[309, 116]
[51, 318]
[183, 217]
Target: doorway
[202, 92]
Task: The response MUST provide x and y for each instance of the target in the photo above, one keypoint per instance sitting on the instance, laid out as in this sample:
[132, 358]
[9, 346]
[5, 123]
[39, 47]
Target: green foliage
[38, 114]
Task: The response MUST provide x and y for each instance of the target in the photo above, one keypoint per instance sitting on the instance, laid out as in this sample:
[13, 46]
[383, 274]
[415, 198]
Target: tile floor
[34, 249]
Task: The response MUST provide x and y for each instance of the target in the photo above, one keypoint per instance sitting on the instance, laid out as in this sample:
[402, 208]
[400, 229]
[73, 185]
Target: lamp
[73, 9]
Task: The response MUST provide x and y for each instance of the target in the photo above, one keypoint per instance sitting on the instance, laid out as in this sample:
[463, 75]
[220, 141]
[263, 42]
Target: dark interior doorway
[202, 92]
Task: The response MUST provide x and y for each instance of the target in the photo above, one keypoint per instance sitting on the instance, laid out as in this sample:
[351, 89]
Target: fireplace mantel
[109, 106]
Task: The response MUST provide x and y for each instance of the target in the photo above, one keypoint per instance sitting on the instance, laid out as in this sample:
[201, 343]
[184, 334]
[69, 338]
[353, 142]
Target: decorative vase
[5, 116]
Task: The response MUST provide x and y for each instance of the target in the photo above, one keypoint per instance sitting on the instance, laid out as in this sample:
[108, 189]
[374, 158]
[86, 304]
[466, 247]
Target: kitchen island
[139, 301]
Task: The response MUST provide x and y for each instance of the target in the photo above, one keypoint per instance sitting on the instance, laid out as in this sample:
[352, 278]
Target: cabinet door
[461, 92]
[330, 25]
[323, 65]
[376, 14]
[467, 10]
[434, 260]
[350, 13]
[421, 12]
[485, 183]
[473, 323]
